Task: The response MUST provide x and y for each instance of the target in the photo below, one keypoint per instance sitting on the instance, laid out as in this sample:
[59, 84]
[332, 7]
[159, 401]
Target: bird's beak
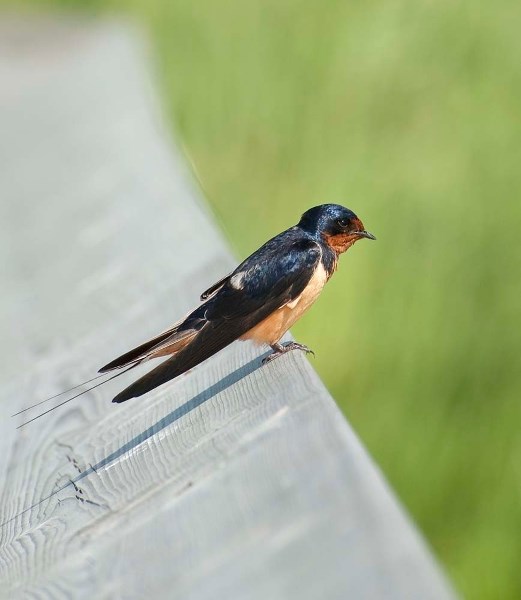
[365, 234]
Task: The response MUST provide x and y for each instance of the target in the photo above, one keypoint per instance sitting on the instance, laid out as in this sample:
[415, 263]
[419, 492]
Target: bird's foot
[279, 350]
[296, 346]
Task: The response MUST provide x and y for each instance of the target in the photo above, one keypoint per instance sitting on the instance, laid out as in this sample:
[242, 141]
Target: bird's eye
[343, 222]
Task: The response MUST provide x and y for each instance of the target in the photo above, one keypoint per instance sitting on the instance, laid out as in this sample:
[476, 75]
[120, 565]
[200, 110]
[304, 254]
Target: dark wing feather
[209, 341]
[215, 287]
[181, 330]
[136, 354]
[276, 274]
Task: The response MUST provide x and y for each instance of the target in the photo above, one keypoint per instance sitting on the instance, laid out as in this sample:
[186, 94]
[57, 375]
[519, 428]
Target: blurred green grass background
[408, 113]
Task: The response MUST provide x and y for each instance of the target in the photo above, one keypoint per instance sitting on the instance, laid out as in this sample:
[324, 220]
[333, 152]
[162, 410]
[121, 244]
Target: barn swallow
[259, 301]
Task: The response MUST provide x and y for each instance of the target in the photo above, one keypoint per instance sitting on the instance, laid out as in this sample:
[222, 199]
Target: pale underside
[270, 330]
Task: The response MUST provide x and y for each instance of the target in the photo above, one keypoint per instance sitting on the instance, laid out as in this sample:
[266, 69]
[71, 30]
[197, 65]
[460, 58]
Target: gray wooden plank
[232, 481]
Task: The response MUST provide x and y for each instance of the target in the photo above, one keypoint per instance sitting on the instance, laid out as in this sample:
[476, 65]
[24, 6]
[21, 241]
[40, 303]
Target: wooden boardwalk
[233, 482]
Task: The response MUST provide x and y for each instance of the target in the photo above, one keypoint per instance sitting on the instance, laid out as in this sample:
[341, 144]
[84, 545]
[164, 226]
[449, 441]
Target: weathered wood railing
[231, 482]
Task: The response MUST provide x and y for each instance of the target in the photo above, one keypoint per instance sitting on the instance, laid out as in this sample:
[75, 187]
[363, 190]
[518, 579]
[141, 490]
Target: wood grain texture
[233, 481]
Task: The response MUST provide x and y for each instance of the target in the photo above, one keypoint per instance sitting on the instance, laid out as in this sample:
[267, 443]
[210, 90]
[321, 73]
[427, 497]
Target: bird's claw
[296, 346]
[279, 351]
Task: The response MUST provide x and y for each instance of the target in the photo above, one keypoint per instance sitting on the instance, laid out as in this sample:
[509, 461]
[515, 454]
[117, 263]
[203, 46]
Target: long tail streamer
[75, 387]
[73, 397]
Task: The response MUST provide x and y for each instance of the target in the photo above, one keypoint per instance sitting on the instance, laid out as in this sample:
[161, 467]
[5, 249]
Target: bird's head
[338, 226]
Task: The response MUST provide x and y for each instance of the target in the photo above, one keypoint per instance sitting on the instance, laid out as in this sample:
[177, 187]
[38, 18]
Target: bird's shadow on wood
[202, 397]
